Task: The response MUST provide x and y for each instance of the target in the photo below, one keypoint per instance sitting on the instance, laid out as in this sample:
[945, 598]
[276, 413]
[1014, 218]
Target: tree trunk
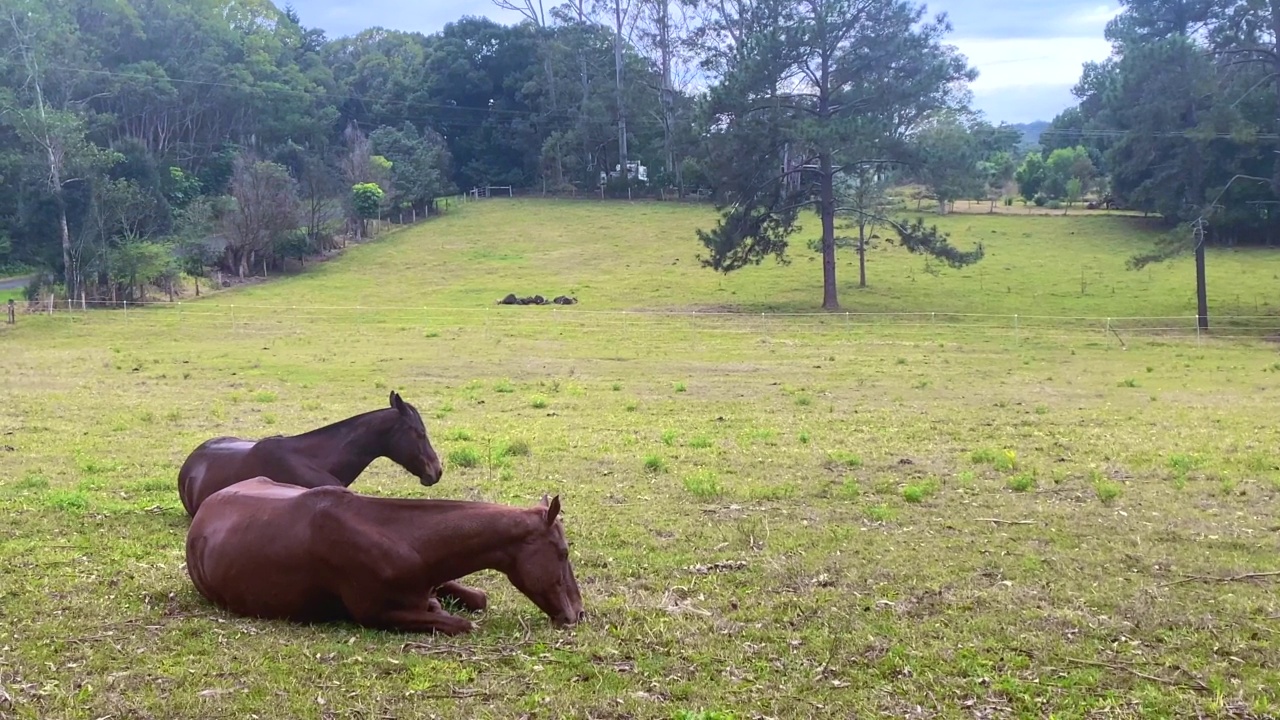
[70, 274]
[551, 89]
[668, 87]
[827, 196]
[1202, 293]
[1275, 68]
[617, 66]
[862, 255]
[827, 210]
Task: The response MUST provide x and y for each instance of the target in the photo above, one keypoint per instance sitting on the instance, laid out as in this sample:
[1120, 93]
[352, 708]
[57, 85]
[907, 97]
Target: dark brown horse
[269, 550]
[335, 454]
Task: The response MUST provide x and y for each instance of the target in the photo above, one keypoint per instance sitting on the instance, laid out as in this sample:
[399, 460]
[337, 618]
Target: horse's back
[213, 465]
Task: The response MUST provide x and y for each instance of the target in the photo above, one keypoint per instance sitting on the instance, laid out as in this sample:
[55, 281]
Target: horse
[334, 455]
[270, 550]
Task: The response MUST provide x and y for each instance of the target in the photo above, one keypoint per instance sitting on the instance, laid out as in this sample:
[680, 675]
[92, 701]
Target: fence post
[1196, 320]
[1015, 329]
[1107, 331]
[12, 316]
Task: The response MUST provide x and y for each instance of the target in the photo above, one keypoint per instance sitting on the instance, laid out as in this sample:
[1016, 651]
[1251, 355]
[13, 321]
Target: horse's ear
[397, 402]
[553, 510]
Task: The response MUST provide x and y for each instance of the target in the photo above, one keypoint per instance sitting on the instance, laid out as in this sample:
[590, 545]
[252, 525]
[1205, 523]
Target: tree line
[1183, 118]
[142, 142]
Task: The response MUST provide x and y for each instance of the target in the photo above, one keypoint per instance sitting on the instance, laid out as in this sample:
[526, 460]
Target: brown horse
[269, 550]
[335, 454]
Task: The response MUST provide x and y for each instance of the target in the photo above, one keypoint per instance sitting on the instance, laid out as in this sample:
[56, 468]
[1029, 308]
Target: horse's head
[542, 570]
[408, 446]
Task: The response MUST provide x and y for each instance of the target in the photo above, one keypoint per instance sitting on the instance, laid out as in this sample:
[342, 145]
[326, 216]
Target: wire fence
[657, 324]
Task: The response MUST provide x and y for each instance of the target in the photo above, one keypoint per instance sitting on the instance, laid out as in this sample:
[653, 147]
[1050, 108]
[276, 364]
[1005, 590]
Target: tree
[419, 164]
[997, 171]
[808, 92]
[621, 12]
[947, 161]
[263, 207]
[665, 31]
[1190, 92]
[863, 200]
[1074, 192]
[366, 198]
[50, 122]
[1031, 176]
[1065, 165]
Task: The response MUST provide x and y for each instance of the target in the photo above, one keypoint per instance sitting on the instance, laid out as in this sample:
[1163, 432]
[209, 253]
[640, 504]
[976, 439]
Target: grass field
[772, 516]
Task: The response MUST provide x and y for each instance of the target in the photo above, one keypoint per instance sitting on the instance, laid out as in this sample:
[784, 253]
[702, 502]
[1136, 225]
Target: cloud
[1023, 103]
[1026, 79]
[1022, 61]
[1028, 19]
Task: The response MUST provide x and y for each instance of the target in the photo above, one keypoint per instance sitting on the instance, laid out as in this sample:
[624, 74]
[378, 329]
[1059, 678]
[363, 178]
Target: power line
[1076, 132]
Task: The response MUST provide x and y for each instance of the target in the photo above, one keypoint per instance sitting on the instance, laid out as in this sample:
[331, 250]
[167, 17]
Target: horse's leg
[427, 618]
[473, 599]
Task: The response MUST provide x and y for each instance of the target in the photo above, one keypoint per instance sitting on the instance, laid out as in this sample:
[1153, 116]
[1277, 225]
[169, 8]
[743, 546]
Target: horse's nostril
[582, 615]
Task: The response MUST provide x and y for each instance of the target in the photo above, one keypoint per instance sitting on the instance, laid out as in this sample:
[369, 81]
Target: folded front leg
[473, 599]
[430, 618]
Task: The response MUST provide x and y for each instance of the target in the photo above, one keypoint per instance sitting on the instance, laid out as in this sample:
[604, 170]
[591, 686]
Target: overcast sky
[1028, 52]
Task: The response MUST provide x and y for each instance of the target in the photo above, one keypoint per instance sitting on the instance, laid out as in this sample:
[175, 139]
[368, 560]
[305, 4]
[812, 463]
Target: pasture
[946, 514]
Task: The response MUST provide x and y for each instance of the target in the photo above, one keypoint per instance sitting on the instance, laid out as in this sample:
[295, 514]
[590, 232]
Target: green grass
[956, 519]
[1033, 267]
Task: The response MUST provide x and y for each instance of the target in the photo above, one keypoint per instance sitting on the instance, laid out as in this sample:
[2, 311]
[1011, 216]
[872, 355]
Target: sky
[1028, 53]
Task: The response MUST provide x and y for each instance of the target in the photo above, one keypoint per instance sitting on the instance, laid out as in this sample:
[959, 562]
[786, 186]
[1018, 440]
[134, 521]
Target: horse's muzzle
[431, 474]
[569, 620]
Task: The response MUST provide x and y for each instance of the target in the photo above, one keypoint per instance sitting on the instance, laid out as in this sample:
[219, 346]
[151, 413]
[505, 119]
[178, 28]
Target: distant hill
[1031, 131]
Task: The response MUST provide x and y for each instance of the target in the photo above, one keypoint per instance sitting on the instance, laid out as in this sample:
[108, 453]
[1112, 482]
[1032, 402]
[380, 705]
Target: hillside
[759, 508]
[643, 256]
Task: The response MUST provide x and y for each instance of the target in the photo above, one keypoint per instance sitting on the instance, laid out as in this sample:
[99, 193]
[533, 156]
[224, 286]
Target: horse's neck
[467, 541]
[345, 448]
